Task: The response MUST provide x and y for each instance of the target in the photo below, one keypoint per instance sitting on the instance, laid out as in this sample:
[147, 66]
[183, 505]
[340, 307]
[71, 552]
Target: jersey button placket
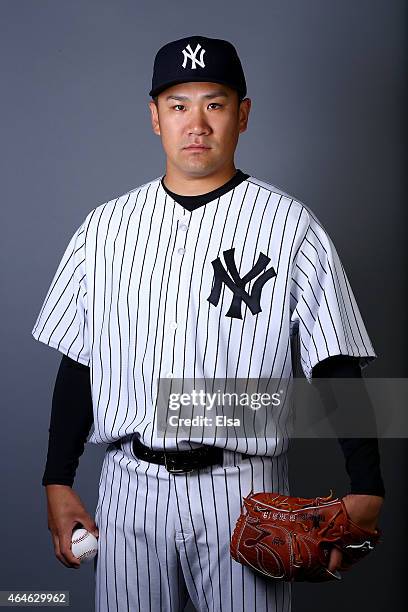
[172, 323]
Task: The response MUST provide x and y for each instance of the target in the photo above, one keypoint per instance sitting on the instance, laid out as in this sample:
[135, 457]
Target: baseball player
[203, 272]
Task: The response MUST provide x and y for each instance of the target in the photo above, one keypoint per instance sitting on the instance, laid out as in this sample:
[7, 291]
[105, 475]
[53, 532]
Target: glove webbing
[298, 555]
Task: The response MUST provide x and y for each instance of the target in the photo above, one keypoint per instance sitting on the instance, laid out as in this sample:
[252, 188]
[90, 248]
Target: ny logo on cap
[192, 55]
[237, 284]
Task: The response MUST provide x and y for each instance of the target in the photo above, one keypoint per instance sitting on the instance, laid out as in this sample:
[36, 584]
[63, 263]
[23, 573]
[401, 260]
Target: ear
[244, 108]
[154, 117]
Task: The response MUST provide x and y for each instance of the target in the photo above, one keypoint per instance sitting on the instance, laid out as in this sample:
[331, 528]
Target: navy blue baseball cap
[197, 58]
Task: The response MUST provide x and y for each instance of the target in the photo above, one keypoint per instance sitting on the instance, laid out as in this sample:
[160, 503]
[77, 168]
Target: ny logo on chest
[237, 284]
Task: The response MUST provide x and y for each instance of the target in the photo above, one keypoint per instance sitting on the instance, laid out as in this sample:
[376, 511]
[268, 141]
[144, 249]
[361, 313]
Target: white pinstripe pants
[165, 537]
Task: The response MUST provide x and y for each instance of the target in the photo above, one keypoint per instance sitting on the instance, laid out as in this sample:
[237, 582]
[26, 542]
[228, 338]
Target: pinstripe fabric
[325, 311]
[62, 320]
[130, 299]
[163, 537]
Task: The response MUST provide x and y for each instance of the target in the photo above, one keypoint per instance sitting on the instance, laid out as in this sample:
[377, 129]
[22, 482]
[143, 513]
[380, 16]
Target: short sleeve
[324, 312]
[62, 321]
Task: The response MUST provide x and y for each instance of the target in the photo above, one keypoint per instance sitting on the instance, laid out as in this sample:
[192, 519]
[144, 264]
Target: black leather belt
[181, 461]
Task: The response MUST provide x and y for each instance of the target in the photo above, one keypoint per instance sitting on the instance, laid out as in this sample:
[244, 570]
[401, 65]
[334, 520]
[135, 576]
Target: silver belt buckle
[174, 470]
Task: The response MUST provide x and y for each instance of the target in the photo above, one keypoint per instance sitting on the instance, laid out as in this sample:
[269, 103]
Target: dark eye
[178, 105]
[216, 104]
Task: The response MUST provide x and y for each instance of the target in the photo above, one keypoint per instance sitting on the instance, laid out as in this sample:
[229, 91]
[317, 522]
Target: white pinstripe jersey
[148, 289]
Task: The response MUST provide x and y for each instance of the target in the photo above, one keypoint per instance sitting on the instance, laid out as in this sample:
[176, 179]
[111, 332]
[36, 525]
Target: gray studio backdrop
[326, 82]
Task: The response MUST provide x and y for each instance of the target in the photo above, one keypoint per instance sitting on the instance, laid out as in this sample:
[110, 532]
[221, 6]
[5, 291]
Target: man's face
[207, 114]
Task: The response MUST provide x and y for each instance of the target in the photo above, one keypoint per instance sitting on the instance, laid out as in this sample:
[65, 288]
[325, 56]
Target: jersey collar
[195, 201]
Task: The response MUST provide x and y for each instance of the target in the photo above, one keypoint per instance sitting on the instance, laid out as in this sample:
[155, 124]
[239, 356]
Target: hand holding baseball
[65, 514]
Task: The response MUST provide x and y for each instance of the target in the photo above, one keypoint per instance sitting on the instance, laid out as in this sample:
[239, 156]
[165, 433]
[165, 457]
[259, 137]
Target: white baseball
[84, 545]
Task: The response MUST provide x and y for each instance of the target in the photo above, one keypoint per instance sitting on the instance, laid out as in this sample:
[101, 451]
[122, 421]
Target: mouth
[196, 148]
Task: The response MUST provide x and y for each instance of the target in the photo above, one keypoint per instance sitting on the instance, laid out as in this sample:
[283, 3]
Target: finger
[57, 550]
[89, 524]
[65, 542]
[335, 559]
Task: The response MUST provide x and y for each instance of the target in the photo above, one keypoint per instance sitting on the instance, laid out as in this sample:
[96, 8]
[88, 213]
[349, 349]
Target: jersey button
[183, 228]
[170, 374]
[181, 251]
[173, 325]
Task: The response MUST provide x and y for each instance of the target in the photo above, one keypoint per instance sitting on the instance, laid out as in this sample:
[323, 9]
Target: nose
[197, 122]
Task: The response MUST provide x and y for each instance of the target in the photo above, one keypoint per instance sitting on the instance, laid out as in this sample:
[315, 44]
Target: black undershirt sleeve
[70, 423]
[72, 419]
[361, 454]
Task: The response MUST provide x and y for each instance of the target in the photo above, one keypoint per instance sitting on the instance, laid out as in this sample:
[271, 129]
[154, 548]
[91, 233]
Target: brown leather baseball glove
[290, 538]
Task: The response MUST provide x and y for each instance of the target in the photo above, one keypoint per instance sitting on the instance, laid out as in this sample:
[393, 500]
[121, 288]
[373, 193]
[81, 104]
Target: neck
[190, 185]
